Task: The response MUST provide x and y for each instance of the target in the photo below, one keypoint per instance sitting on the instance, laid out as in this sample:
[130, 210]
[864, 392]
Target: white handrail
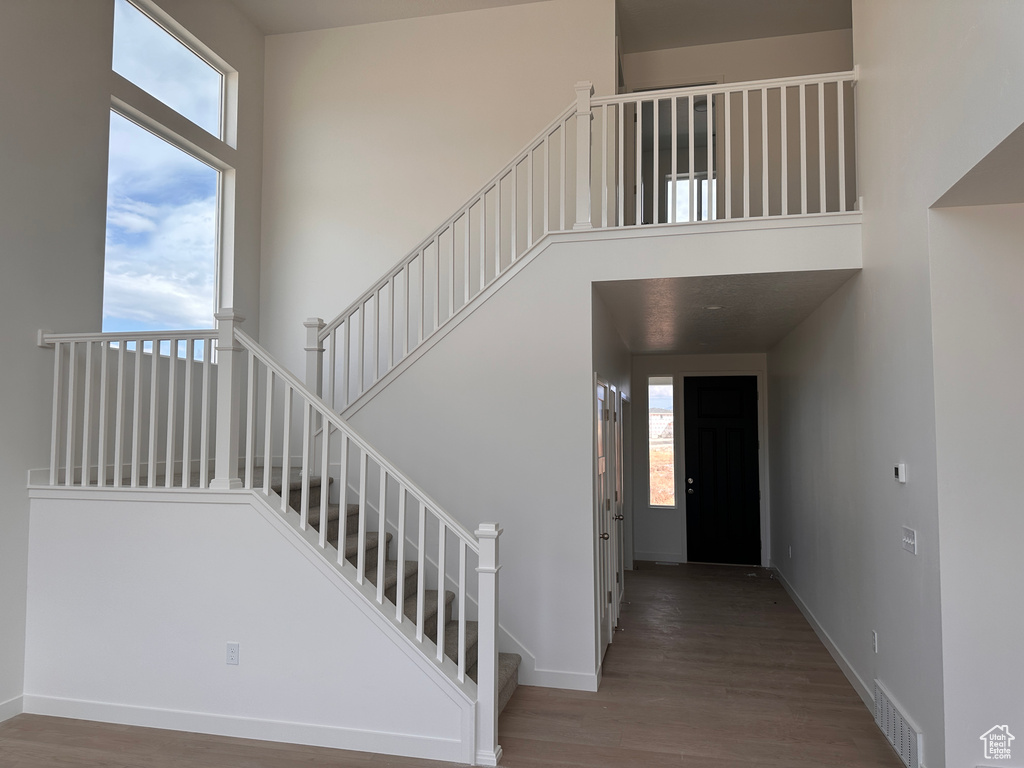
[745, 150]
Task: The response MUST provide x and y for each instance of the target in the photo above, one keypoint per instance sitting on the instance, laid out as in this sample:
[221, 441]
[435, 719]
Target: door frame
[675, 367]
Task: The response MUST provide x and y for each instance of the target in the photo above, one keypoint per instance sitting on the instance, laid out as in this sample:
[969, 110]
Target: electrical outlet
[910, 540]
[874, 641]
[232, 654]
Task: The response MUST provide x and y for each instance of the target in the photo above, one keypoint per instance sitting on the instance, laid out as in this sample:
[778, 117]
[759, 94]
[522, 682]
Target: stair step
[391, 578]
[429, 610]
[352, 546]
[508, 677]
[451, 643]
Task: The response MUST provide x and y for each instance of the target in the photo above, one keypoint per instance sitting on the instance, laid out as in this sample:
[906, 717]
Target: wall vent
[901, 732]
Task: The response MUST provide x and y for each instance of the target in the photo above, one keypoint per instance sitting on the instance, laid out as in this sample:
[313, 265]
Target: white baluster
[841, 135]
[764, 153]
[86, 414]
[55, 420]
[421, 573]
[728, 155]
[822, 182]
[154, 378]
[268, 432]
[442, 537]
[286, 450]
[187, 417]
[462, 611]
[204, 416]
[325, 486]
[803, 148]
[746, 154]
[620, 182]
[673, 190]
[101, 448]
[169, 453]
[361, 550]
[136, 413]
[784, 141]
[382, 539]
[306, 469]
[655, 161]
[691, 189]
[343, 498]
[400, 584]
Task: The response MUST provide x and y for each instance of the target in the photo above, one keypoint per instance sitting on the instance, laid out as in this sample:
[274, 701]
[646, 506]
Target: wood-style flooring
[713, 667]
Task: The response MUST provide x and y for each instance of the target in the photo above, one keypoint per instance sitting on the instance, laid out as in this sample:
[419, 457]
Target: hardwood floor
[714, 667]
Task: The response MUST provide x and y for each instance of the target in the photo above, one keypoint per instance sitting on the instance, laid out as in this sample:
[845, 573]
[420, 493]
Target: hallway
[714, 667]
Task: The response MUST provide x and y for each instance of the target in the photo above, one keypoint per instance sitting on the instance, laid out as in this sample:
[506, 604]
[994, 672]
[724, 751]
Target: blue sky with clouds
[161, 202]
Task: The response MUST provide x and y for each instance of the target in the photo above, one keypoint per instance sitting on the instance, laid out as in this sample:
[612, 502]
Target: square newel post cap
[313, 326]
[584, 91]
[488, 531]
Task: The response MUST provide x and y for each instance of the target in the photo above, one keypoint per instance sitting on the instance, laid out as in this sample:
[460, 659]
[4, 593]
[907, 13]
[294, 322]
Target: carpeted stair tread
[508, 677]
[391, 578]
[352, 544]
[451, 642]
[429, 610]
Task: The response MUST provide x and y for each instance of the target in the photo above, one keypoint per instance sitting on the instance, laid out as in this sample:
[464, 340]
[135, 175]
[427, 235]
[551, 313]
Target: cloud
[159, 64]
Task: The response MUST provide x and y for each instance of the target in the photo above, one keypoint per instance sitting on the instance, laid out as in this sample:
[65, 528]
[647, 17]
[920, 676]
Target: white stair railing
[133, 409]
[727, 151]
[759, 149]
[531, 196]
[148, 410]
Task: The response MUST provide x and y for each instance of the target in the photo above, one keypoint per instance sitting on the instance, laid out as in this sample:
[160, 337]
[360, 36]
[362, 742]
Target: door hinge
[616, 496]
[606, 414]
[616, 577]
[607, 505]
[609, 596]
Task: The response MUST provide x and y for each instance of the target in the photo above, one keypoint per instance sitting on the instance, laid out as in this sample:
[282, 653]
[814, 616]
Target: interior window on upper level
[160, 64]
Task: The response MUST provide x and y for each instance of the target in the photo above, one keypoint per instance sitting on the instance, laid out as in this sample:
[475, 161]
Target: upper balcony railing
[761, 149]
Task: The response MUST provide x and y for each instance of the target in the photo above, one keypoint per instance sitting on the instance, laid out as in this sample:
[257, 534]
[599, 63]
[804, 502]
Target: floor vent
[901, 733]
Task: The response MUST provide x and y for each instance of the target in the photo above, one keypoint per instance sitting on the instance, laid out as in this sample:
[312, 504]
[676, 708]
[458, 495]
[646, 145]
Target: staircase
[508, 663]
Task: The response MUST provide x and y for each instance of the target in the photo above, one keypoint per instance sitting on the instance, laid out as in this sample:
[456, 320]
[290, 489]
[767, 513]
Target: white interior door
[603, 517]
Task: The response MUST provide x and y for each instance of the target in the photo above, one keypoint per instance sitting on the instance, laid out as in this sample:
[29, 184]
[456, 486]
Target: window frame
[220, 153]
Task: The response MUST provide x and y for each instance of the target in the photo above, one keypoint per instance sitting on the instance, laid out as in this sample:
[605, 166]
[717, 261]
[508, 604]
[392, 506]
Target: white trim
[660, 557]
[11, 708]
[863, 690]
[248, 728]
[554, 678]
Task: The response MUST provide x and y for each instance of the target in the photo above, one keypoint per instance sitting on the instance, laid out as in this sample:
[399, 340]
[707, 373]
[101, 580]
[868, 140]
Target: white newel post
[487, 750]
[229, 401]
[314, 355]
[584, 115]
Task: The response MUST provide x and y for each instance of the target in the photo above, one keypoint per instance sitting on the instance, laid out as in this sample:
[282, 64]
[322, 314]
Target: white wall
[377, 133]
[852, 388]
[977, 320]
[55, 57]
[523, 364]
[761, 59]
[131, 603]
[658, 533]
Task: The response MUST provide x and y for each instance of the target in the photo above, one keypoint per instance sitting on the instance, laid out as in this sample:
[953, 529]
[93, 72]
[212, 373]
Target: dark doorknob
[619, 517]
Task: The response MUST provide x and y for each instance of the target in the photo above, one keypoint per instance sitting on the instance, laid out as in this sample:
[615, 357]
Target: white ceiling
[670, 315]
[652, 25]
[644, 25]
[279, 16]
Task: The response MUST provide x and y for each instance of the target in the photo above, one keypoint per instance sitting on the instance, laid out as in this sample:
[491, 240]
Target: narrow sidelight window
[661, 442]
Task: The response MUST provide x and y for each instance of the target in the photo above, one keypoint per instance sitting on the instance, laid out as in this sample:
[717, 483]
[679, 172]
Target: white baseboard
[553, 678]
[335, 737]
[11, 708]
[858, 684]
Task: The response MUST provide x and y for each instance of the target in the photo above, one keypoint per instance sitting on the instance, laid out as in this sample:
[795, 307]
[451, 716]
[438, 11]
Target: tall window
[163, 202]
[661, 441]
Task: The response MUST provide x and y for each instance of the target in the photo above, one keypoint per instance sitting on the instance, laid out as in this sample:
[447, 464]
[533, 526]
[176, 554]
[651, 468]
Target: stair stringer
[343, 576]
[78, 504]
